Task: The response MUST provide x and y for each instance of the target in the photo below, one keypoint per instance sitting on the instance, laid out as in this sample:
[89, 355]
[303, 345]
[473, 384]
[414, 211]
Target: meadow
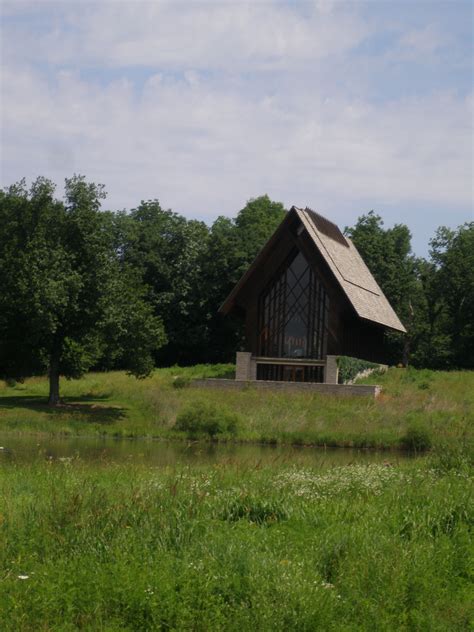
[257, 545]
[417, 409]
[121, 547]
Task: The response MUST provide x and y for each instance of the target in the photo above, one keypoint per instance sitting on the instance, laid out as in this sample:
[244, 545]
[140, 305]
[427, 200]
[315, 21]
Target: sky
[340, 106]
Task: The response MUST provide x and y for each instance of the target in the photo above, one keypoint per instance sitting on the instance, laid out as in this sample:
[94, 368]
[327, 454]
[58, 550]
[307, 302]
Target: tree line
[84, 288]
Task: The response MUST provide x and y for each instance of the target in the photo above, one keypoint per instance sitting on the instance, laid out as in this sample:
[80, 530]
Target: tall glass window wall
[293, 313]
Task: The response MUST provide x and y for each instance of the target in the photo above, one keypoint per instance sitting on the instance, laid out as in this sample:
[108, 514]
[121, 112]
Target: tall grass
[433, 407]
[116, 547]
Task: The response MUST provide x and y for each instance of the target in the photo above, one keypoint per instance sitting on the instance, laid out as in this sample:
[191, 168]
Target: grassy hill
[416, 408]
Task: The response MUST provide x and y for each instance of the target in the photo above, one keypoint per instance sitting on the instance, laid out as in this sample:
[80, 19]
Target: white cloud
[424, 41]
[212, 35]
[200, 146]
[239, 99]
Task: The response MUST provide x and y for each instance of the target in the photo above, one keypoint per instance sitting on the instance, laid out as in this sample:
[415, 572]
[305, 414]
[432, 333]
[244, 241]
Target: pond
[156, 453]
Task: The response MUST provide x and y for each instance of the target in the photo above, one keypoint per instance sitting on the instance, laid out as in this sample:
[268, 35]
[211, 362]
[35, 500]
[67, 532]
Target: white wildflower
[327, 585]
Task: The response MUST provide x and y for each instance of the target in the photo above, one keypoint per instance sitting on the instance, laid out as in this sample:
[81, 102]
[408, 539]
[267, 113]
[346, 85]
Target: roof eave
[229, 302]
[400, 329]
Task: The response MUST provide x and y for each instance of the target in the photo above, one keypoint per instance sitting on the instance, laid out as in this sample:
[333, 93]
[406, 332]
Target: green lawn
[437, 405]
[121, 547]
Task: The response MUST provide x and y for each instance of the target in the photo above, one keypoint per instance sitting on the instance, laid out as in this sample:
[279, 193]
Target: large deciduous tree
[452, 254]
[166, 250]
[232, 246]
[65, 300]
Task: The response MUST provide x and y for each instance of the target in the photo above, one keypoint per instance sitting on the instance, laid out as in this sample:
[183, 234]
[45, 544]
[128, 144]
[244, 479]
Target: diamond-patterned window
[293, 313]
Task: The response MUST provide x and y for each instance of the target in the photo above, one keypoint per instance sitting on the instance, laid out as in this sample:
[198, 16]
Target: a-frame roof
[344, 261]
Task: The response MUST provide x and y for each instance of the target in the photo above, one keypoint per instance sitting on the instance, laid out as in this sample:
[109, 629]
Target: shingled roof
[345, 263]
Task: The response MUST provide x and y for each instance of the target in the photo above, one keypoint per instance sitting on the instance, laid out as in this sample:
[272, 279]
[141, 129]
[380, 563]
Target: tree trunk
[408, 336]
[54, 380]
[406, 350]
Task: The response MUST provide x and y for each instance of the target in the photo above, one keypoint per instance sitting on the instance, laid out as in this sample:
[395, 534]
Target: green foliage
[188, 271]
[254, 224]
[232, 246]
[416, 439]
[452, 253]
[254, 509]
[202, 418]
[65, 302]
[434, 299]
[77, 357]
[181, 382]
[166, 251]
[387, 252]
[459, 457]
[350, 367]
[418, 377]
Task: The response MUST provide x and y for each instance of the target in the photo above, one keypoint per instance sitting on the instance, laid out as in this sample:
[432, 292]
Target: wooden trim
[228, 304]
[290, 361]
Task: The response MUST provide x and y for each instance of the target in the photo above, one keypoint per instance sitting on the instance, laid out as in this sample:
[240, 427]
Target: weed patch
[254, 509]
[181, 382]
[204, 418]
[416, 439]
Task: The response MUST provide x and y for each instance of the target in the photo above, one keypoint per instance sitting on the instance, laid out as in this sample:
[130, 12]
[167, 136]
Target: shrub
[350, 367]
[180, 382]
[224, 372]
[206, 418]
[416, 439]
[420, 377]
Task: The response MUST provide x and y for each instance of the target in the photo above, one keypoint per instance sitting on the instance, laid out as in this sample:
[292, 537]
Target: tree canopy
[65, 301]
[84, 288]
[452, 254]
[434, 298]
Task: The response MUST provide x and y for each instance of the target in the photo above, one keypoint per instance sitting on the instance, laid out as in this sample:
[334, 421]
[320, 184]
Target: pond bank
[426, 408]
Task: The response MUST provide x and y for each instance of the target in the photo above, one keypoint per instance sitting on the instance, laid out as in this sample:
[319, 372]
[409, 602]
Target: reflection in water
[167, 453]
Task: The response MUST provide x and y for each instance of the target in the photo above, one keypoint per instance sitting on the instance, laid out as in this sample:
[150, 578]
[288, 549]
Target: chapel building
[307, 298]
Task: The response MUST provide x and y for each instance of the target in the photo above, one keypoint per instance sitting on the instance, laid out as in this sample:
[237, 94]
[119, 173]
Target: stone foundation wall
[245, 367]
[341, 390]
[331, 370]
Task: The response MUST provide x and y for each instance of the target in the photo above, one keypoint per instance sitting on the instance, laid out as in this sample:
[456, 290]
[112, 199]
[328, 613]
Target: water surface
[158, 453]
